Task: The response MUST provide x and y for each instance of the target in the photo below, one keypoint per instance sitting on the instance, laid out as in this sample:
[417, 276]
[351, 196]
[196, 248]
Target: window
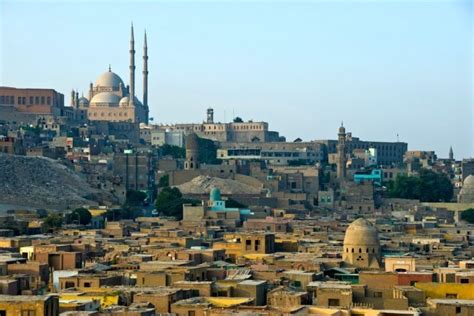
[87, 284]
[28, 313]
[31, 100]
[458, 309]
[333, 302]
[377, 294]
[464, 280]
[42, 100]
[451, 295]
[48, 100]
[37, 100]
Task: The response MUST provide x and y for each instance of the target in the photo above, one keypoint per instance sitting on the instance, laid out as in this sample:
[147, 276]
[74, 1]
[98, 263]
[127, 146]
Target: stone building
[361, 245]
[32, 101]
[246, 132]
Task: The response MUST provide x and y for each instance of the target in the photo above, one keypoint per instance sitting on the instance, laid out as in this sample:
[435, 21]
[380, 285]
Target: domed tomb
[361, 245]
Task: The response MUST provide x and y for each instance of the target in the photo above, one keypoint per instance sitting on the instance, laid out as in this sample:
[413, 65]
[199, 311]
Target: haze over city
[384, 68]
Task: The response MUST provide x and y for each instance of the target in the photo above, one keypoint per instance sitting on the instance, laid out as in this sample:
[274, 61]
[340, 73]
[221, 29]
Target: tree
[82, 215]
[173, 151]
[468, 215]
[428, 186]
[135, 198]
[207, 151]
[53, 221]
[164, 181]
[238, 119]
[170, 202]
[167, 195]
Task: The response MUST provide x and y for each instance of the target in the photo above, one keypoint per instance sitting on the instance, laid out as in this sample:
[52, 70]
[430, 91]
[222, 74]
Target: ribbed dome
[106, 98]
[109, 79]
[469, 182]
[361, 233]
[466, 195]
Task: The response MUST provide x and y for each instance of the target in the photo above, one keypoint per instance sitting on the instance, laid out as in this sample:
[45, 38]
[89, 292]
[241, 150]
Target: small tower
[451, 153]
[341, 153]
[210, 116]
[192, 152]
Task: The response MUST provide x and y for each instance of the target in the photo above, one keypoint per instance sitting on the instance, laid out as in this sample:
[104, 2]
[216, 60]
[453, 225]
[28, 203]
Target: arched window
[360, 250]
[352, 250]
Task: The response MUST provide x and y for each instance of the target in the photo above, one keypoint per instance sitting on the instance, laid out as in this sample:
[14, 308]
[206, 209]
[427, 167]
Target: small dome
[342, 129]
[83, 102]
[109, 79]
[192, 142]
[106, 97]
[124, 101]
[215, 194]
[361, 233]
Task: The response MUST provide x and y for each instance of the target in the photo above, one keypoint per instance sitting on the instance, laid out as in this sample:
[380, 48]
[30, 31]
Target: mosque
[362, 245]
[110, 100]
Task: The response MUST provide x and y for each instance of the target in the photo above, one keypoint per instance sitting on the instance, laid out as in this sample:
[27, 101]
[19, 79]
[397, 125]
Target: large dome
[108, 98]
[109, 79]
[361, 233]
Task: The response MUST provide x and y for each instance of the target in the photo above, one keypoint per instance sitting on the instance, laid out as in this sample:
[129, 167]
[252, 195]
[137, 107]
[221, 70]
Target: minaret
[145, 75]
[451, 153]
[341, 153]
[73, 95]
[132, 69]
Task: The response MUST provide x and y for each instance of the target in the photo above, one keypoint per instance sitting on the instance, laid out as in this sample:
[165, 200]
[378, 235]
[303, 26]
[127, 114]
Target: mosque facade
[110, 100]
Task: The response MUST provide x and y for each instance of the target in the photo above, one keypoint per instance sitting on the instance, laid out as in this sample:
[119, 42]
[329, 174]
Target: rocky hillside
[43, 183]
[204, 184]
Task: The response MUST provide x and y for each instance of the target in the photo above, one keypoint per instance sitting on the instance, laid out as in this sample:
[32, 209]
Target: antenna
[398, 138]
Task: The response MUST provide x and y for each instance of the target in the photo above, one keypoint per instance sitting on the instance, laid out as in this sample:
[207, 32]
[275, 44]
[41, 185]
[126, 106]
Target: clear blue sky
[383, 67]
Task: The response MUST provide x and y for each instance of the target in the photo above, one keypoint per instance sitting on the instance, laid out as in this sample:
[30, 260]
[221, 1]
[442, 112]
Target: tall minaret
[451, 153]
[132, 69]
[341, 153]
[145, 74]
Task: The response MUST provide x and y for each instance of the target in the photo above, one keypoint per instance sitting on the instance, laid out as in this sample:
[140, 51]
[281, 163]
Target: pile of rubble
[204, 184]
[43, 183]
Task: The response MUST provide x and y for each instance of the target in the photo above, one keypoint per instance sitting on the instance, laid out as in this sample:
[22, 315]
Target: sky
[384, 68]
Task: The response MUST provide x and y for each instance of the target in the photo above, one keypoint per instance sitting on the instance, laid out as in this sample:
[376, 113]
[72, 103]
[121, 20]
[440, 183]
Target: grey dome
[109, 79]
[361, 233]
[105, 98]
